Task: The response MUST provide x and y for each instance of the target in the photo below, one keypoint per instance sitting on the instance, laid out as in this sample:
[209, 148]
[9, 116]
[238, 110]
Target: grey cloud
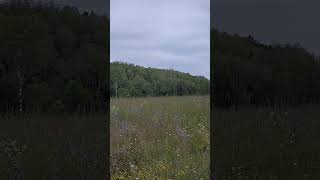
[164, 34]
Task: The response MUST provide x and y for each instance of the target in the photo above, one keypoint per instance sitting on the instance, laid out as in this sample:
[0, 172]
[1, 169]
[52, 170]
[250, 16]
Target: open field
[44, 146]
[160, 138]
[267, 144]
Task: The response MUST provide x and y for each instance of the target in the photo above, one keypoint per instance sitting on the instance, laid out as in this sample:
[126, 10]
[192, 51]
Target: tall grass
[43, 146]
[266, 144]
[160, 138]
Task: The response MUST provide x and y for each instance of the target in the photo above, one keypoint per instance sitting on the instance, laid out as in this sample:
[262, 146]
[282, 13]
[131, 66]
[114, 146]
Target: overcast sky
[271, 21]
[163, 34]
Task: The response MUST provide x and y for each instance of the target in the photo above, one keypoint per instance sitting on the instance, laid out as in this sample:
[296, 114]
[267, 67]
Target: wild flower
[155, 122]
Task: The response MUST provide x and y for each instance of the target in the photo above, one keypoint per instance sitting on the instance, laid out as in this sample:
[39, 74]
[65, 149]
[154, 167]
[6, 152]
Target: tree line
[246, 72]
[129, 80]
[52, 58]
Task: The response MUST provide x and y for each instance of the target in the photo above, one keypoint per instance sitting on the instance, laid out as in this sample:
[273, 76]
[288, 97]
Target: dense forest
[128, 80]
[52, 58]
[246, 72]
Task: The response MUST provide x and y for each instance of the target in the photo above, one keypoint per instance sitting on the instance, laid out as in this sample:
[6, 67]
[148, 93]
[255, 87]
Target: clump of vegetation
[246, 72]
[160, 138]
[54, 53]
[53, 89]
[275, 92]
[128, 80]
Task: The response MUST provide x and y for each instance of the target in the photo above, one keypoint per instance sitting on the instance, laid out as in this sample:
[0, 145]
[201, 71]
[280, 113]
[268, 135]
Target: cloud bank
[163, 34]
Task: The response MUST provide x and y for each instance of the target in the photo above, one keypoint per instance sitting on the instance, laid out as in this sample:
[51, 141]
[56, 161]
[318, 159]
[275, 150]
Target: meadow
[266, 144]
[160, 138]
[53, 146]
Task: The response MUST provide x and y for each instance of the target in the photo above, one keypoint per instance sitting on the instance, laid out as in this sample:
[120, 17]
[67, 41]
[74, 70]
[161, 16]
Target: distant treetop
[129, 80]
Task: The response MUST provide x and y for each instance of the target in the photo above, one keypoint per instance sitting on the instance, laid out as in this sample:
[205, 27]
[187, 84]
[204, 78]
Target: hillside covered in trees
[128, 80]
[246, 72]
[52, 58]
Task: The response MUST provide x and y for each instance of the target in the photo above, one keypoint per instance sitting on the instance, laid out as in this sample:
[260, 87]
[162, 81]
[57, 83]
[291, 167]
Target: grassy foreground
[44, 146]
[160, 138]
[267, 144]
